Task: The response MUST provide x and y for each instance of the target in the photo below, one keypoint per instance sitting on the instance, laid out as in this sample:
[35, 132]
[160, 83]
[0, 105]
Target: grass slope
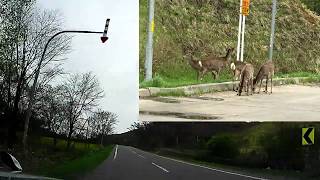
[45, 159]
[208, 27]
[80, 165]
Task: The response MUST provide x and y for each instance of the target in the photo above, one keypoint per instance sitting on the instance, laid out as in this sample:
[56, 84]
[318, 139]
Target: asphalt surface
[287, 103]
[128, 163]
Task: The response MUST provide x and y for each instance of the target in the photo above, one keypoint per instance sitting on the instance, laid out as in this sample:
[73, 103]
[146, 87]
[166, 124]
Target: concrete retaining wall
[211, 87]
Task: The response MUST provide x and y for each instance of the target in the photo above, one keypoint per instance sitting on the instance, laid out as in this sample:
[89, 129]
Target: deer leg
[260, 86]
[251, 86]
[213, 75]
[267, 80]
[218, 74]
[234, 85]
[233, 80]
[271, 84]
[202, 74]
[240, 88]
[247, 86]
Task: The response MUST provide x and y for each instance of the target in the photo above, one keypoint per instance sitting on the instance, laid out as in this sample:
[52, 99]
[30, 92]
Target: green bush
[157, 81]
[313, 5]
[283, 147]
[223, 146]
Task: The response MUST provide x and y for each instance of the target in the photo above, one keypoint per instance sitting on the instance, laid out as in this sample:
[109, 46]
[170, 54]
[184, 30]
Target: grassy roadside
[164, 82]
[80, 165]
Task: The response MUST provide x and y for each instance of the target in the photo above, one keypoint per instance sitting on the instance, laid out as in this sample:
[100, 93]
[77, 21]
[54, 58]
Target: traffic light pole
[33, 88]
[273, 23]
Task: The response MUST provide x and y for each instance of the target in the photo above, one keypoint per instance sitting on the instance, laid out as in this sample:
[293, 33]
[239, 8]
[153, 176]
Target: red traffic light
[104, 39]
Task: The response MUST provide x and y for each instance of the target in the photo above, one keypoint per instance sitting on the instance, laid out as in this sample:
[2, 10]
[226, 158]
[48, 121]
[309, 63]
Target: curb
[211, 87]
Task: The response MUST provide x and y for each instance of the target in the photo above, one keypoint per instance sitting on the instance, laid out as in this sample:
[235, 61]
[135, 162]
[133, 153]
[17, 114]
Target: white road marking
[212, 169]
[137, 154]
[141, 156]
[160, 167]
[115, 152]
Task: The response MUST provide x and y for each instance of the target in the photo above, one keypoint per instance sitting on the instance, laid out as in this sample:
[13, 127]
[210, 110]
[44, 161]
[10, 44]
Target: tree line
[255, 145]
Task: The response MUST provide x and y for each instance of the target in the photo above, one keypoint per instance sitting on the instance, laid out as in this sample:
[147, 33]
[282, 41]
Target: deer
[236, 68]
[195, 64]
[215, 64]
[246, 79]
[266, 71]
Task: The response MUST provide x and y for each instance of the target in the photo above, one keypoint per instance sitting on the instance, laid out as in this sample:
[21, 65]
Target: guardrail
[18, 176]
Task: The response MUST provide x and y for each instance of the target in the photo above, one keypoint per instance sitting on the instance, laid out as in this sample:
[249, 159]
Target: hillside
[208, 27]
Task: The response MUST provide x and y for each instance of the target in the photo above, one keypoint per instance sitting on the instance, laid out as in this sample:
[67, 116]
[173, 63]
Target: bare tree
[50, 109]
[80, 93]
[102, 123]
[24, 30]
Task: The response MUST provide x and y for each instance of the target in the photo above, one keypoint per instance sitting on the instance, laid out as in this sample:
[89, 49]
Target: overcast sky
[115, 63]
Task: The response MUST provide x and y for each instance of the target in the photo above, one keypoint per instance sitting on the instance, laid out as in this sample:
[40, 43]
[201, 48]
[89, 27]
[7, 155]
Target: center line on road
[115, 152]
[160, 167]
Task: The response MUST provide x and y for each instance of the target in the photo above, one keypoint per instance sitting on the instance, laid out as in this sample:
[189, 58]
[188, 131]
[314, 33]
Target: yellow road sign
[307, 136]
[245, 7]
[152, 26]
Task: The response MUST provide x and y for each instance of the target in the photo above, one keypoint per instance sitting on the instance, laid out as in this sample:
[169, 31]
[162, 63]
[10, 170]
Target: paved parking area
[287, 103]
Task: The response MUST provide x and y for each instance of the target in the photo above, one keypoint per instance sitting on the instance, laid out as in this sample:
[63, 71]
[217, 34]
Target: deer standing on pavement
[266, 71]
[215, 64]
[246, 79]
[236, 68]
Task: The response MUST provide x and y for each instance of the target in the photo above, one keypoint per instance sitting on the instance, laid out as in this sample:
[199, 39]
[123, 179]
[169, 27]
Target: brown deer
[215, 64]
[236, 68]
[195, 64]
[266, 71]
[246, 79]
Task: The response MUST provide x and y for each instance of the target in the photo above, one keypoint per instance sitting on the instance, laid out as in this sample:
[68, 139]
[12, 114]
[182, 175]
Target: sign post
[310, 153]
[239, 33]
[244, 11]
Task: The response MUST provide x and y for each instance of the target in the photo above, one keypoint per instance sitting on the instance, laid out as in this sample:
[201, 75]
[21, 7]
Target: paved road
[128, 163]
[287, 103]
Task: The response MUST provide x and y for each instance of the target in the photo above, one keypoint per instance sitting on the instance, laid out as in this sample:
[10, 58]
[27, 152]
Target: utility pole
[242, 36]
[244, 11]
[149, 46]
[239, 32]
[273, 23]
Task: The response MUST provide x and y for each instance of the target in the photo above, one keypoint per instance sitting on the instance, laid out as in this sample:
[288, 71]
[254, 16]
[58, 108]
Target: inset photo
[68, 79]
[229, 61]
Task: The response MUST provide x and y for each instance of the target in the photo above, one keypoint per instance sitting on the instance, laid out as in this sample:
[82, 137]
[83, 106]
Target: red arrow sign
[104, 39]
